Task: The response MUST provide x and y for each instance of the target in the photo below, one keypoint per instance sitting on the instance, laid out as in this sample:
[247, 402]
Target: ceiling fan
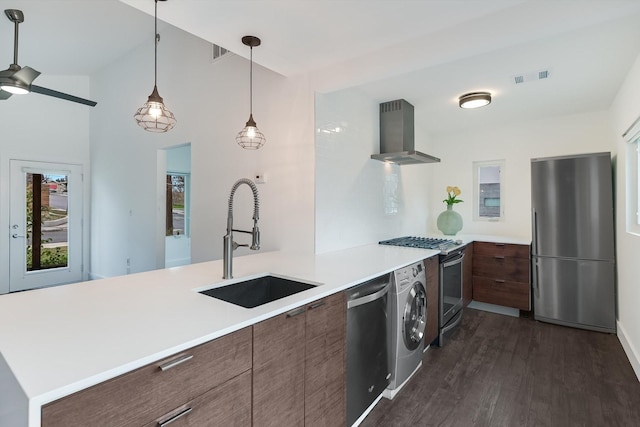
[16, 80]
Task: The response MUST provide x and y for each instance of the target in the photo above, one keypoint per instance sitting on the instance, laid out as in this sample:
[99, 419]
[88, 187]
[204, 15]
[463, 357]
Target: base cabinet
[140, 396]
[228, 405]
[432, 270]
[467, 275]
[300, 366]
[501, 274]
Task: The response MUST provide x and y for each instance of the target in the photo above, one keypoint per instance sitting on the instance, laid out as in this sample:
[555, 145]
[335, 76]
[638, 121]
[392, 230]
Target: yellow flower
[452, 193]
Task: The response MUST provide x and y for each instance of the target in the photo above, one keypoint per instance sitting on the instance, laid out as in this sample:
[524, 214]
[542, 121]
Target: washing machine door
[414, 319]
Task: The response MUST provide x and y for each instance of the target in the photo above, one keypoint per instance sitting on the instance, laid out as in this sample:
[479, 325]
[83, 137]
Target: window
[632, 136]
[177, 215]
[488, 191]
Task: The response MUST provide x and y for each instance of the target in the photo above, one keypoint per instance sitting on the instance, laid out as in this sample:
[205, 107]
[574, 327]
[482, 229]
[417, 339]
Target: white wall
[211, 104]
[359, 200]
[516, 144]
[625, 109]
[41, 128]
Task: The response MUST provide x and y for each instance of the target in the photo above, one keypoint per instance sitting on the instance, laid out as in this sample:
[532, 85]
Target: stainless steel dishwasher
[368, 326]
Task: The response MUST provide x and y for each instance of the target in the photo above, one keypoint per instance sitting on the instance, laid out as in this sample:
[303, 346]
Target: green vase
[449, 221]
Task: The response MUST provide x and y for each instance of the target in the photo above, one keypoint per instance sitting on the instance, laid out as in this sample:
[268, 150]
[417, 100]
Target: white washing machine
[408, 311]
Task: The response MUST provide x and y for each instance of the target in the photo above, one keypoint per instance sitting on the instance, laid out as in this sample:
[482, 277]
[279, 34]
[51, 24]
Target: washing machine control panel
[406, 276]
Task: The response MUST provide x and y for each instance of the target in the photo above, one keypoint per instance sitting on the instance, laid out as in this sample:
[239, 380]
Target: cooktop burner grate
[422, 243]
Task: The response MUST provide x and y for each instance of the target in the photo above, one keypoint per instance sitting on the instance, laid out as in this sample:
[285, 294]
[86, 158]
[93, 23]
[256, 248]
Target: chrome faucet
[229, 244]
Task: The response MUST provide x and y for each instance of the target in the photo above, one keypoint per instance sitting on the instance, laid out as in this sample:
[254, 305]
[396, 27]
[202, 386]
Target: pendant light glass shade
[153, 116]
[250, 137]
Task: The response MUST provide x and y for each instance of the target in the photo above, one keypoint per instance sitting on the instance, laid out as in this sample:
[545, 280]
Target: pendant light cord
[251, 82]
[156, 39]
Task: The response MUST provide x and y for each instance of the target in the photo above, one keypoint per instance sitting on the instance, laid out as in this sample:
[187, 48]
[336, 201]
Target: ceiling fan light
[15, 87]
[474, 100]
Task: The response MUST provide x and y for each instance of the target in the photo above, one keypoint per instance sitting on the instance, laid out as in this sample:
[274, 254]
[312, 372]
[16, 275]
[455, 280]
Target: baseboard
[493, 308]
[632, 353]
[93, 276]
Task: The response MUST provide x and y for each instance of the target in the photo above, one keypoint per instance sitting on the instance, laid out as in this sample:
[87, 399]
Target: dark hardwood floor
[503, 371]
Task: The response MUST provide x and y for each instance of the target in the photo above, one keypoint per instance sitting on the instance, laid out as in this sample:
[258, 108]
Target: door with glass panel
[45, 224]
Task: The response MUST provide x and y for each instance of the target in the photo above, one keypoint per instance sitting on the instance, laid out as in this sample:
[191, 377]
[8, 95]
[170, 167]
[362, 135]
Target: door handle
[15, 235]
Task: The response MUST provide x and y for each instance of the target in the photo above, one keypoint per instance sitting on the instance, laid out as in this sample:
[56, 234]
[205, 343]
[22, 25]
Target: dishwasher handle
[369, 297]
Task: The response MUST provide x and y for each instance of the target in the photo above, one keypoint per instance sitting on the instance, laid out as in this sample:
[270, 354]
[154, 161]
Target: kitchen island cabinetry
[299, 366]
[501, 274]
[140, 396]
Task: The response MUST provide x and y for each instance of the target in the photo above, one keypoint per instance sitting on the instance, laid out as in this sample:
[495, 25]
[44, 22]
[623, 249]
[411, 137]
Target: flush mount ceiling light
[474, 100]
[153, 116]
[250, 138]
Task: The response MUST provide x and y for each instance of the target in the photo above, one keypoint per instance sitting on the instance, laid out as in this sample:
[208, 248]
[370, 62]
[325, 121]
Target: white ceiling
[428, 52]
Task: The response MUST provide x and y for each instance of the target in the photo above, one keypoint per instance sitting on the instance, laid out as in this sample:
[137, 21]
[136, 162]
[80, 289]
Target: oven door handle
[453, 262]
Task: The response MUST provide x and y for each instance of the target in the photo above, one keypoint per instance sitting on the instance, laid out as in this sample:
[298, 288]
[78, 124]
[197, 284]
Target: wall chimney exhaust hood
[397, 135]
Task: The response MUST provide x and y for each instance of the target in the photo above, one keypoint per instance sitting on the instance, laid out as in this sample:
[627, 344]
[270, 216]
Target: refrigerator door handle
[535, 232]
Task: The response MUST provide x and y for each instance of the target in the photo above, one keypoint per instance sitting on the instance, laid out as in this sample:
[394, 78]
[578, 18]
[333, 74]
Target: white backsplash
[359, 200]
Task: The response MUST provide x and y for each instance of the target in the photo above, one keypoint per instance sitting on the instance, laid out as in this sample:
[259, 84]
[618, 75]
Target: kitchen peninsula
[58, 341]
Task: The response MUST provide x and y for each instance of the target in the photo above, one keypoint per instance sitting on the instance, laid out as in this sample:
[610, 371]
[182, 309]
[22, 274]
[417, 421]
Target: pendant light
[153, 116]
[250, 138]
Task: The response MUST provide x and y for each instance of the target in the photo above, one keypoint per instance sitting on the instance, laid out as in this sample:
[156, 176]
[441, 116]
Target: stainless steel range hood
[397, 141]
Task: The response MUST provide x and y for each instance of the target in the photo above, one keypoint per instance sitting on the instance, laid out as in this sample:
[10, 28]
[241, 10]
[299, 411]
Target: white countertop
[59, 340]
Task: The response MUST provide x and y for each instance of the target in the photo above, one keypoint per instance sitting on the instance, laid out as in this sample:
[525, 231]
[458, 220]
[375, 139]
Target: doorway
[178, 206]
[45, 213]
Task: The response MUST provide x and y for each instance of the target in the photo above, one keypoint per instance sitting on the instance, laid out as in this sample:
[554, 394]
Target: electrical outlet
[260, 178]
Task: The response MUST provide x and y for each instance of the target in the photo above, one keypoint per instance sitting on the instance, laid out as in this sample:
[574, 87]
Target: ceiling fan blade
[4, 95]
[50, 92]
[26, 75]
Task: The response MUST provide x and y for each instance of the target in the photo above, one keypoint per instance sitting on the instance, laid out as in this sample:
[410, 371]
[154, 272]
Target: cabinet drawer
[226, 405]
[141, 395]
[503, 268]
[506, 293]
[501, 249]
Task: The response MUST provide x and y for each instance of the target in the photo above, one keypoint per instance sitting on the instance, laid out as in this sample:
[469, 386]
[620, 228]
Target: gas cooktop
[443, 245]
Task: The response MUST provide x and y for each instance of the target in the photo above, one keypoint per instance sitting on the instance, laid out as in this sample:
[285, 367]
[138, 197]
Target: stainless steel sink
[255, 292]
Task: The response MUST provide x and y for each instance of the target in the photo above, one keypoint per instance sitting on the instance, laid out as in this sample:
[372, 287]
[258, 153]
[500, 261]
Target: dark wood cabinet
[501, 274]
[432, 270]
[467, 275]
[144, 394]
[299, 366]
[227, 405]
[325, 391]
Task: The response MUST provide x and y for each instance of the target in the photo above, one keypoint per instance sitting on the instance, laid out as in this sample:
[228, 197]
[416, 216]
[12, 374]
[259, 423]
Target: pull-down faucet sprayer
[229, 244]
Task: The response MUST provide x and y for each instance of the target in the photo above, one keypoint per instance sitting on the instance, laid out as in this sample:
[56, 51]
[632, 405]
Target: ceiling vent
[217, 52]
[531, 76]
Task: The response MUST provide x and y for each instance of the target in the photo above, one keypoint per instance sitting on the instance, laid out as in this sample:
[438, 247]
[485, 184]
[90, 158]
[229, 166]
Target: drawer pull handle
[499, 257]
[499, 281]
[499, 244]
[295, 312]
[175, 362]
[174, 418]
[316, 305]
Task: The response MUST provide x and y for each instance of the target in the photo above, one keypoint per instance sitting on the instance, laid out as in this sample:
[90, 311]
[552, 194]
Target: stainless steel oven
[450, 293]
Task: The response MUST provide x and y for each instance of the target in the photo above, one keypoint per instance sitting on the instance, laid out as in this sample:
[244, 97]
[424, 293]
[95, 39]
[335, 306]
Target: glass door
[45, 224]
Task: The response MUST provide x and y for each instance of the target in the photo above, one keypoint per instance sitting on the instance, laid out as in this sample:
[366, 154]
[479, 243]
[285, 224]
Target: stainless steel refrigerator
[572, 251]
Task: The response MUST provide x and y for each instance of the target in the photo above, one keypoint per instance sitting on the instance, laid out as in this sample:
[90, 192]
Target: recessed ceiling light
[474, 100]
